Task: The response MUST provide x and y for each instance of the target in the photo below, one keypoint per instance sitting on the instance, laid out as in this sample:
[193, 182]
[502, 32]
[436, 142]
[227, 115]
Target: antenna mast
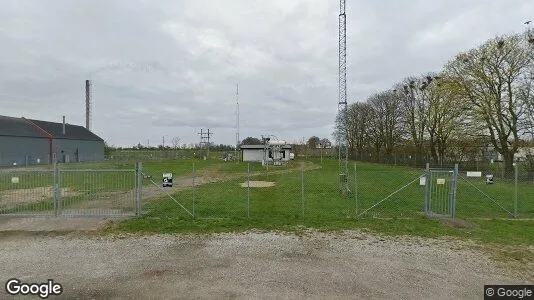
[205, 140]
[237, 121]
[342, 97]
[88, 105]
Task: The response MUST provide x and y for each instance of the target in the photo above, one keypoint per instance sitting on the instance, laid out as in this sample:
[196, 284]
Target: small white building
[522, 154]
[256, 153]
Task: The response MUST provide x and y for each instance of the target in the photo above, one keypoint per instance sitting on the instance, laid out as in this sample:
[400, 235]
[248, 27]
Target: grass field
[80, 182]
[298, 199]
[312, 199]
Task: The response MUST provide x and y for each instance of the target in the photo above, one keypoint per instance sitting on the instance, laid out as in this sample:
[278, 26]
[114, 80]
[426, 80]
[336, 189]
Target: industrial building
[30, 142]
[266, 154]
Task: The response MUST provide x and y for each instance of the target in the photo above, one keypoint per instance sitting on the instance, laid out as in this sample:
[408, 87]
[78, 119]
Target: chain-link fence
[310, 191]
[296, 190]
[168, 154]
[485, 194]
[55, 191]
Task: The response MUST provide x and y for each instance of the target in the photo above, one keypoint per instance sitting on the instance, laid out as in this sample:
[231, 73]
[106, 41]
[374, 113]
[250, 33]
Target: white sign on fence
[422, 181]
[441, 181]
[167, 179]
[474, 174]
[14, 180]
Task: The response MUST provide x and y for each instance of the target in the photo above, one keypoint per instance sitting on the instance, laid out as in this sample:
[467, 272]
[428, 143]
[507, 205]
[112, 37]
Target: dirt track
[211, 175]
[252, 265]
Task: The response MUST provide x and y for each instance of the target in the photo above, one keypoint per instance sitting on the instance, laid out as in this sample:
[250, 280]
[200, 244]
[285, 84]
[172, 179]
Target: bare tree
[446, 118]
[313, 142]
[325, 143]
[386, 121]
[251, 141]
[359, 116]
[490, 77]
[415, 112]
[527, 89]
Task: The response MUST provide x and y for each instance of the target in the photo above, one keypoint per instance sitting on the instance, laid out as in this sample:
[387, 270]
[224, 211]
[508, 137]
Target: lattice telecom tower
[205, 140]
[342, 99]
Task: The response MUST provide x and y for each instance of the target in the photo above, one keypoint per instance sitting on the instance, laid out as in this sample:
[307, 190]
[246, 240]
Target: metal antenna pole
[342, 97]
[208, 137]
[201, 133]
[237, 121]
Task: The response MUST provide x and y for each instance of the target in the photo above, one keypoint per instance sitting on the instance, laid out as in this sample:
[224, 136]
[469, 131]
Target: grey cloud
[170, 67]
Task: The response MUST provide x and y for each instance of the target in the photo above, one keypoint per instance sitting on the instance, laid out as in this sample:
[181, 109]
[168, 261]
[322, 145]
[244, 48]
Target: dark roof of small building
[261, 146]
[72, 132]
[22, 127]
[17, 127]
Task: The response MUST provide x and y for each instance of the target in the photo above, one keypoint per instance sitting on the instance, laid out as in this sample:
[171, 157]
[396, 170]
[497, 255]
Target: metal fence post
[194, 176]
[516, 177]
[302, 189]
[56, 190]
[248, 190]
[139, 186]
[427, 189]
[356, 190]
[454, 187]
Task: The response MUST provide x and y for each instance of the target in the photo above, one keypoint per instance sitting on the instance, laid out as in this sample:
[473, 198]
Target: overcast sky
[169, 68]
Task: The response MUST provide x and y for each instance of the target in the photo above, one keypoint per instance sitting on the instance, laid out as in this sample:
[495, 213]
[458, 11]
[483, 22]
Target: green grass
[102, 179]
[36, 184]
[485, 231]
[226, 207]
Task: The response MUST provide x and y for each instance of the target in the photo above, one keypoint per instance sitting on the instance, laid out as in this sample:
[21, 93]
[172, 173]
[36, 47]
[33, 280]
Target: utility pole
[205, 139]
[209, 133]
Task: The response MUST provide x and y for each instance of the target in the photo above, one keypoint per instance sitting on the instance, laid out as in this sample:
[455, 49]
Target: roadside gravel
[345, 265]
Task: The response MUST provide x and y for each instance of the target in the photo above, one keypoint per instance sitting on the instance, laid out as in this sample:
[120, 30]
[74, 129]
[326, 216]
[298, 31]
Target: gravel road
[343, 265]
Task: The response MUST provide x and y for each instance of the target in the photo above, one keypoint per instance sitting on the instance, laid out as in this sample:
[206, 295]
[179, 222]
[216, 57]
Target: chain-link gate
[440, 191]
[54, 191]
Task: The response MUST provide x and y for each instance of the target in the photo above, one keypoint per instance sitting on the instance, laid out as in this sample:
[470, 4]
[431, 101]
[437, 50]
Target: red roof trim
[38, 128]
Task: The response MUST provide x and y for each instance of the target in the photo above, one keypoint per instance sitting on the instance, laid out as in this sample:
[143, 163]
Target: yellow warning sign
[441, 180]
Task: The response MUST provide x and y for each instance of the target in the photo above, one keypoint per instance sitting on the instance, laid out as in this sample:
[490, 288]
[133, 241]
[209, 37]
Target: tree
[325, 143]
[446, 118]
[386, 121]
[414, 112]
[251, 141]
[359, 116]
[491, 77]
[108, 149]
[527, 89]
[313, 142]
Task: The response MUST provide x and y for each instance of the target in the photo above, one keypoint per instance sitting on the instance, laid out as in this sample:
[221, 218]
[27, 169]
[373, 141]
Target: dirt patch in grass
[456, 223]
[258, 184]
[12, 198]
[213, 175]
[51, 224]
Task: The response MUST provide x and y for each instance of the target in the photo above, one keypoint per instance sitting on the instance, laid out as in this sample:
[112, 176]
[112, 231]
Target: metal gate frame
[56, 186]
[452, 191]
